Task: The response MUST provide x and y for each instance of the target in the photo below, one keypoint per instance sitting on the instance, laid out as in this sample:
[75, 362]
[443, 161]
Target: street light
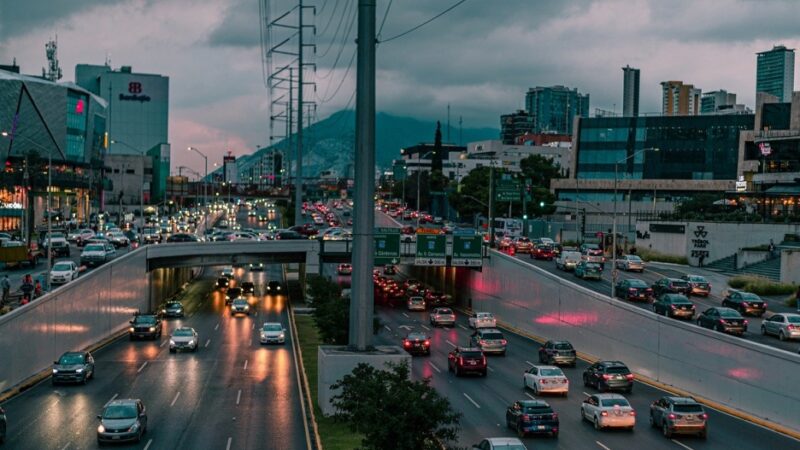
[141, 189]
[205, 179]
[614, 226]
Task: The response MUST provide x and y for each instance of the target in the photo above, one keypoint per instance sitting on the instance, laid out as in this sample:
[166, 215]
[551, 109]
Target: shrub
[650, 255]
[761, 286]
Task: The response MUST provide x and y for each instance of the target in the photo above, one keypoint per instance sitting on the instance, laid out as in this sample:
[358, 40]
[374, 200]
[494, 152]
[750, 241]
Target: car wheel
[704, 433]
[520, 431]
[583, 415]
[535, 389]
[665, 431]
[764, 331]
[597, 424]
[719, 328]
[652, 420]
[585, 380]
[172, 350]
[781, 335]
[455, 370]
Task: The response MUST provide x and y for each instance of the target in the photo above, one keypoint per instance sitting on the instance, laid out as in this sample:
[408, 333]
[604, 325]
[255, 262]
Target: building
[515, 125]
[678, 99]
[554, 108]
[42, 119]
[138, 125]
[544, 139]
[421, 157]
[481, 153]
[775, 72]
[630, 91]
[230, 171]
[715, 101]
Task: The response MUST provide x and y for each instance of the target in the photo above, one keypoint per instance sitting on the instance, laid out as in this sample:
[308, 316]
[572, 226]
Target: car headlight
[163, 311]
[101, 429]
[130, 329]
[191, 342]
[152, 328]
[281, 336]
[246, 307]
[79, 370]
[55, 370]
[180, 310]
[279, 288]
[134, 427]
[263, 335]
[171, 342]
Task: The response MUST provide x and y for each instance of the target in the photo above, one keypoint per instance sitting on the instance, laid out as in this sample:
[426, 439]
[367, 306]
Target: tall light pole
[141, 189]
[614, 226]
[205, 178]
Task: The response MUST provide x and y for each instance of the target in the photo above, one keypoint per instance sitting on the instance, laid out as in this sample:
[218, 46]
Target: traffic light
[541, 204]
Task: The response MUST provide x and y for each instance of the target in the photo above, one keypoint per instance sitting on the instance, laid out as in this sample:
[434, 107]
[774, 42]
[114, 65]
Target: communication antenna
[53, 71]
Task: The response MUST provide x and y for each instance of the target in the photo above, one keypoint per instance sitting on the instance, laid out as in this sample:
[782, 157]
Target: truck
[15, 254]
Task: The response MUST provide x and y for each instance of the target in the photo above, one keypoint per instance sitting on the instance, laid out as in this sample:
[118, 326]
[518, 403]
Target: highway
[232, 394]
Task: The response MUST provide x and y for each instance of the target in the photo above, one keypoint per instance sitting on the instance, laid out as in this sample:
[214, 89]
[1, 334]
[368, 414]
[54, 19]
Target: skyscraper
[775, 72]
[678, 99]
[714, 101]
[553, 108]
[630, 91]
[514, 125]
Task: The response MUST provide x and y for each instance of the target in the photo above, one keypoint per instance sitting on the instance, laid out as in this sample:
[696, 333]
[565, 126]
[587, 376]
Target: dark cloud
[18, 17]
[240, 27]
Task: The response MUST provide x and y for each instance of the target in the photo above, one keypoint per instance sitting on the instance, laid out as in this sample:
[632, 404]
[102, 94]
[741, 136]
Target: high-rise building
[630, 91]
[713, 102]
[775, 72]
[515, 125]
[553, 108]
[678, 99]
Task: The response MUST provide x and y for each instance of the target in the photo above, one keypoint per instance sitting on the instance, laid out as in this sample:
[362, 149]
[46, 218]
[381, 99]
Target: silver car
[184, 338]
[630, 263]
[489, 340]
[416, 304]
[785, 326]
[272, 333]
[240, 306]
[442, 317]
[122, 420]
[608, 411]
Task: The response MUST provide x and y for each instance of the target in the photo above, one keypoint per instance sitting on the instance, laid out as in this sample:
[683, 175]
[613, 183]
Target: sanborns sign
[134, 93]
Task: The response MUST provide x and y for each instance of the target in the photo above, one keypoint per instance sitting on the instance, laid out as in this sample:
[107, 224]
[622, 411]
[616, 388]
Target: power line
[341, 47]
[346, 72]
[383, 21]
[424, 23]
[330, 20]
[345, 13]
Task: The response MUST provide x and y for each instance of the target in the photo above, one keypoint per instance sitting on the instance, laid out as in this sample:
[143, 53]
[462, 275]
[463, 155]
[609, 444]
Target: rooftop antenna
[53, 71]
[108, 60]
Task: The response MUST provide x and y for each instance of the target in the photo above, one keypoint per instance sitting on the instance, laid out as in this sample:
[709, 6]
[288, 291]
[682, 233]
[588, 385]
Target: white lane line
[387, 328]
[682, 444]
[238, 396]
[423, 326]
[228, 447]
[208, 342]
[163, 343]
[65, 446]
[433, 366]
[112, 398]
[216, 327]
[245, 364]
[601, 445]
[175, 399]
[490, 368]
[530, 363]
[146, 447]
[454, 345]
[253, 327]
[406, 316]
[463, 327]
[588, 395]
[472, 401]
[142, 368]
[529, 395]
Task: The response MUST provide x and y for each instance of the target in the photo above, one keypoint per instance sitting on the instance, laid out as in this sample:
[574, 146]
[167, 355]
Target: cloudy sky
[480, 57]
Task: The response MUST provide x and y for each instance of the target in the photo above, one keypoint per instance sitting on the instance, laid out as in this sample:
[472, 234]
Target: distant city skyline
[481, 58]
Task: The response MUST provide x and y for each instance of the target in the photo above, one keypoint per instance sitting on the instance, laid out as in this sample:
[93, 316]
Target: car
[389, 269]
[184, 338]
[592, 253]
[630, 263]
[183, 237]
[483, 320]
[240, 306]
[172, 308]
[545, 380]
[232, 293]
[464, 360]
[784, 325]
[676, 306]
[698, 285]
[345, 269]
[567, 260]
[248, 287]
[558, 352]
[252, 213]
[608, 376]
[543, 251]
[95, 254]
[417, 343]
[745, 303]
[118, 239]
[259, 266]
[73, 367]
[223, 282]
[489, 340]
[608, 411]
[724, 320]
[227, 272]
[63, 272]
[151, 235]
[274, 287]
[679, 415]
[522, 245]
[145, 326]
[588, 270]
[416, 303]
[59, 243]
[500, 443]
[3, 421]
[272, 333]
[437, 298]
[532, 417]
[122, 420]
[80, 236]
[442, 317]
[634, 289]
[670, 286]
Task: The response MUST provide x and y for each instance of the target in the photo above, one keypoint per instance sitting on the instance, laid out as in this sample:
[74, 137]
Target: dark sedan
[73, 367]
[122, 420]
[274, 287]
[417, 343]
[288, 235]
[532, 417]
[172, 309]
[557, 352]
[543, 251]
[698, 285]
[183, 237]
[222, 282]
[724, 320]
[745, 303]
[676, 306]
[248, 287]
[670, 286]
[634, 289]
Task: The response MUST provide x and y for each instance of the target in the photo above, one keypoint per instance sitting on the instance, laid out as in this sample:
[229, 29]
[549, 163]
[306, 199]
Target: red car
[543, 251]
[463, 360]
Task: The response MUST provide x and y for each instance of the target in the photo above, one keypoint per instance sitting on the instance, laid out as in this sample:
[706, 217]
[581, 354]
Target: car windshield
[793, 319]
[636, 283]
[492, 336]
[447, 311]
[508, 447]
[120, 412]
[538, 410]
[676, 299]
[234, 292]
[416, 300]
[729, 313]
[484, 315]
[94, 248]
[471, 354]
[616, 370]
[609, 402]
[273, 327]
[678, 283]
[543, 247]
[634, 258]
[57, 235]
[174, 305]
[240, 302]
[592, 266]
[551, 373]
[696, 279]
[416, 336]
[750, 296]
[183, 332]
[145, 319]
[62, 267]
[564, 346]
[68, 360]
[690, 408]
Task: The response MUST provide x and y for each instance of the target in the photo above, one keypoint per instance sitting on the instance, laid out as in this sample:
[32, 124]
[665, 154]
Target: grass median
[334, 435]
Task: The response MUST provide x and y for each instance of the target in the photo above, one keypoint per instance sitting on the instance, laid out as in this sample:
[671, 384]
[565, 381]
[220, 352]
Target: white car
[80, 236]
[546, 379]
[118, 238]
[483, 320]
[184, 338]
[608, 411]
[64, 272]
[500, 443]
[227, 272]
[416, 304]
[272, 333]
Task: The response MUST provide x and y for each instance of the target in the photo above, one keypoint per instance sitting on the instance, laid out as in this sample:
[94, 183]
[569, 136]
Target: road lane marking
[472, 401]
[423, 326]
[601, 445]
[682, 444]
[65, 446]
[406, 316]
[208, 342]
[253, 327]
[588, 395]
[433, 366]
[532, 364]
[142, 368]
[490, 368]
[112, 398]
[463, 327]
[387, 328]
[238, 396]
[529, 395]
[454, 345]
[228, 447]
[175, 399]
[150, 441]
[163, 343]
[216, 327]
[245, 364]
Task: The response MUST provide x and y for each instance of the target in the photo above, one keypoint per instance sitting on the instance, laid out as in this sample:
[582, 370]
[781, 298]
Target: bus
[508, 227]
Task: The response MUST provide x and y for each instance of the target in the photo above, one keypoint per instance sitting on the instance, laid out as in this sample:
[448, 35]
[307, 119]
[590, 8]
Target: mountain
[329, 143]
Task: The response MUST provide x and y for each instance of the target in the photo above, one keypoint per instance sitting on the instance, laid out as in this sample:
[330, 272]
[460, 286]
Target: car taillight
[672, 306]
[745, 304]
[790, 327]
[629, 376]
[483, 360]
[606, 376]
[723, 321]
[503, 341]
[603, 413]
[555, 416]
[765, 305]
[632, 289]
[526, 418]
[633, 413]
[460, 360]
[703, 416]
[745, 322]
[671, 416]
[544, 381]
[406, 344]
[427, 343]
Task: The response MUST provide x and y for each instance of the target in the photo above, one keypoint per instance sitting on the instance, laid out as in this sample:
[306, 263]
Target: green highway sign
[387, 246]
[506, 196]
[467, 251]
[431, 250]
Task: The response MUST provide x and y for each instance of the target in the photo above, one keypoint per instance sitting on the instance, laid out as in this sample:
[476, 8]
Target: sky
[480, 58]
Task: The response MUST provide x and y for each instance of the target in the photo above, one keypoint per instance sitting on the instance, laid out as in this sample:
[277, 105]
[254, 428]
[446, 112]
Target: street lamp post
[614, 222]
[205, 179]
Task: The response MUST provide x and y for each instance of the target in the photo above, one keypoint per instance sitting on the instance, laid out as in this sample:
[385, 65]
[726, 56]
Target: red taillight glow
[606, 377]
[704, 416]
[526, 418]
[603, 413]
[503, 341]
[555, 416]
[406, 344]
[629, 376]
[672, 416]
[633, 413]
[461, 360]
[483, 360]
[427, 343]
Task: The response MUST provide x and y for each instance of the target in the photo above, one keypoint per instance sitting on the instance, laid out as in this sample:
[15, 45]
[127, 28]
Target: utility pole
[289, 115]
[361, 303]
[298, 192]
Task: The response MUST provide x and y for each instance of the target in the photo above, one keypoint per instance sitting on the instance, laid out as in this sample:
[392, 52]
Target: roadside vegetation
[650, 255]
[761, 286]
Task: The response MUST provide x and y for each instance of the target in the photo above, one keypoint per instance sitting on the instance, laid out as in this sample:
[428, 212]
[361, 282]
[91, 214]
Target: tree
[539, 170]
[331, 312]
[475, 185]
[392, 411]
